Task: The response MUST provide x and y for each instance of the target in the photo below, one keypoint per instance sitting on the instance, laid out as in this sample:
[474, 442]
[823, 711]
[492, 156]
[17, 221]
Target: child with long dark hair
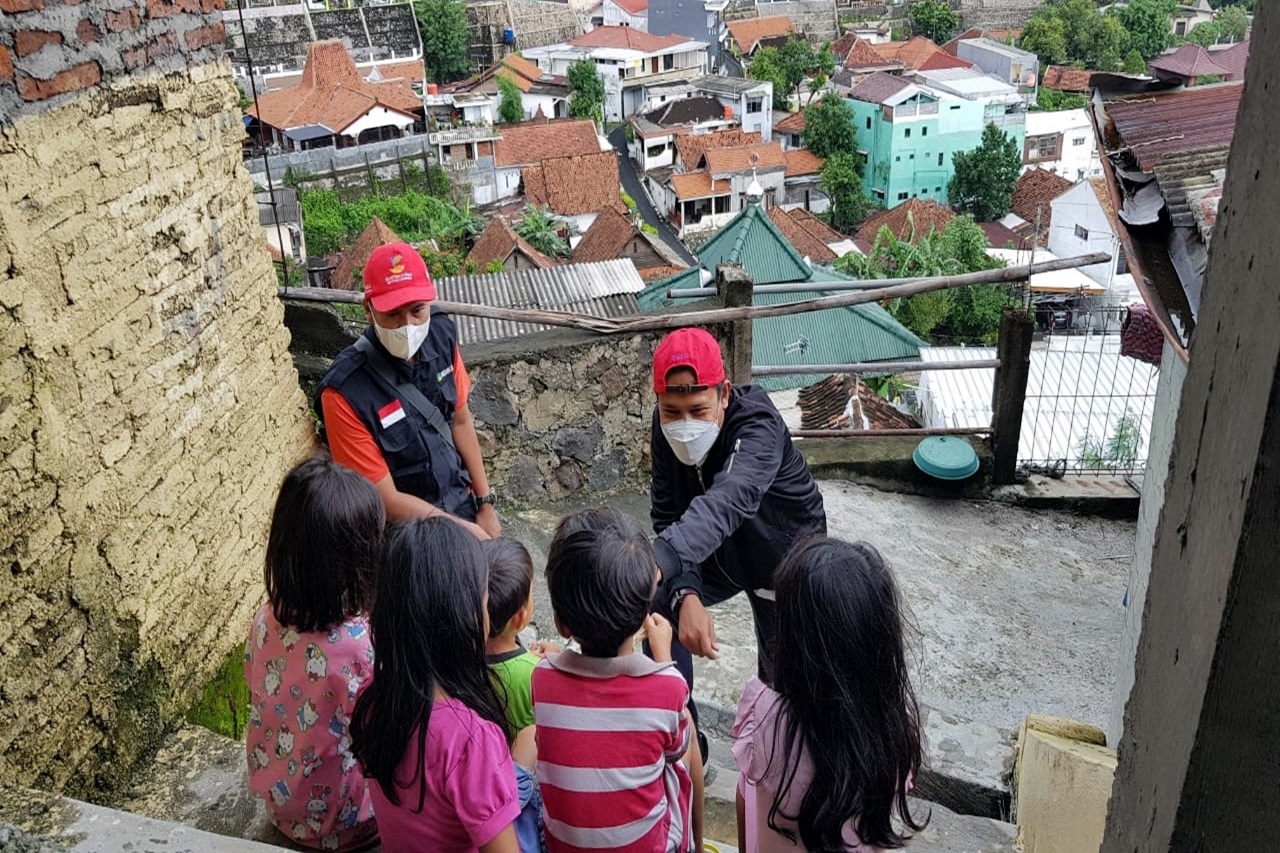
[309, 654]
[429, 729]
[828, 753]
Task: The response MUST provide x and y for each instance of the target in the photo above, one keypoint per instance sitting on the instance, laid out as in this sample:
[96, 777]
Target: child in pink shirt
[827, 754]
[309, 654]
[429, 730]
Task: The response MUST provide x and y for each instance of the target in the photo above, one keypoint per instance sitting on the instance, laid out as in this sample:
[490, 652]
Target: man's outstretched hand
[697, 633]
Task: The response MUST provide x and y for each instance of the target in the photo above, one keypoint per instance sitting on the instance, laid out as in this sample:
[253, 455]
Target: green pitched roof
[752, 240]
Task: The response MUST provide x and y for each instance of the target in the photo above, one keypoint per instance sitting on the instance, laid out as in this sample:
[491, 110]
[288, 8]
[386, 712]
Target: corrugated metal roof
[1189, 172]
[752, 240]
[602, 289]
[1154, 125]
[1078, 388]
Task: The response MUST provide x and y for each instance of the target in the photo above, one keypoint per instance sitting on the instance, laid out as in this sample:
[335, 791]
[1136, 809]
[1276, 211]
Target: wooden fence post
[734, 287]
[1014, 351]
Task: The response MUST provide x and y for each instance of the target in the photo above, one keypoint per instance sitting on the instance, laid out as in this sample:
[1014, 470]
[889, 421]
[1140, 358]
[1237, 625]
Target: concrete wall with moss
[148, 405]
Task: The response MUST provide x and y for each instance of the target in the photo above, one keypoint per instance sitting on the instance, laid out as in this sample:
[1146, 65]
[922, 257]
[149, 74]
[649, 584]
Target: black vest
[421, 462]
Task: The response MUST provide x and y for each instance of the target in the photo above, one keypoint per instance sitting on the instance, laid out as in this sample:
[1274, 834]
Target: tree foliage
[1233, 23]
[786, 67]
[1075, 32]
[985, 178]
[443, 27]
[329, 223]
[511, 105]
[1149, 25]
[1205, 33]
[970, 313]
[934, 19]
[1049, 100]
[828, 127]
[843, 185]
[542, 232]
[1134, 63]
[586, 91]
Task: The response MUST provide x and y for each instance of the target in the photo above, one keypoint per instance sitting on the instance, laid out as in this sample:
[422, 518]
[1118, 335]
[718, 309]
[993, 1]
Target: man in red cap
[394, 404]
[730, 495]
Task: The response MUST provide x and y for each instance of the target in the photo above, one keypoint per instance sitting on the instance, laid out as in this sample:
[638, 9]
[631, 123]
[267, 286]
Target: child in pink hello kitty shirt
[309, 654]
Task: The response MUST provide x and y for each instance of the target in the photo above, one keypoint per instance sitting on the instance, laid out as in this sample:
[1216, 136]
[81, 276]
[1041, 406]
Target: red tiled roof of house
[659, 273]
[802, 161]
[829, 403]
[912, 53]
[816, 226]
[914, 218]
[520, 71]
[748, 32]
[627, 38]
[941, 60]
[1034, 190]
[879, 86]
[570, 186]
[605, 238]
[332, 94]
[633, 7]
[1066, 79]
[691, 185]
[762, 155]
[690, 147]
[349, 273]
[528, 142]
[410, 70]
[800, 239]
[791, 123]
[1190, 60]
[498, 241]
[1233, 58]
[1001, 237]
[855, 53]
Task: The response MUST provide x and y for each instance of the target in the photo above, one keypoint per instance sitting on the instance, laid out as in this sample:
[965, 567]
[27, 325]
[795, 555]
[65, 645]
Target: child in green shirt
[510, 611]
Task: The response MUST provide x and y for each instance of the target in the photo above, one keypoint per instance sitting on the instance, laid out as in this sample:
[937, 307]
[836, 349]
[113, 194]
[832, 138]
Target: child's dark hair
[428, 630]
[326, 538]
[847, 693]
[510, 580]
[601, 576]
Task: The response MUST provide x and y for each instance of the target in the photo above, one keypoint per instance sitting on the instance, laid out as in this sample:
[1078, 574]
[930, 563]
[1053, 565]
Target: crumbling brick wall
[148, 406]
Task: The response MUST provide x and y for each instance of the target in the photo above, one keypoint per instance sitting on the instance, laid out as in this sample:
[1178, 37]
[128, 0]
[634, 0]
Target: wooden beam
[1010, 392]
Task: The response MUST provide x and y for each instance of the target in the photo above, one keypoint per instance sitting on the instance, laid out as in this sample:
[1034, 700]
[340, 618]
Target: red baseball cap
[396, 275]
[694, 349]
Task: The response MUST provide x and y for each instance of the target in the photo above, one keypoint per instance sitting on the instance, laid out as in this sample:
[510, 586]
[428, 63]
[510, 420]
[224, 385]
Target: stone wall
[148, 406]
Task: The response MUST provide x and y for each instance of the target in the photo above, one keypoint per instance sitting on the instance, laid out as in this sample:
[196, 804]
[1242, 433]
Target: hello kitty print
[303, 689]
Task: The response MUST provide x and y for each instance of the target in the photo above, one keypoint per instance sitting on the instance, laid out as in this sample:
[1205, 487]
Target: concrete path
[632, 184]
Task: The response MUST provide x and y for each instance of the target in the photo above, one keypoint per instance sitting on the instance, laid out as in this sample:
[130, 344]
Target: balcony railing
[464, 134]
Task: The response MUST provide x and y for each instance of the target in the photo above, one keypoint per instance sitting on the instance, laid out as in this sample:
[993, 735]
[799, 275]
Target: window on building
[924, 131]
[1040, 148]
[898, 158]
[668, 62]
[924, 191]
[911, 156]
[1079, 140]
[907, 133]
[939, 158]
[1180, 28]
[903, 196]
[955, 106]
[1082, 232]
[879, 194]
[770, 198]
[755, 105]
[868, 122]
[937, 189]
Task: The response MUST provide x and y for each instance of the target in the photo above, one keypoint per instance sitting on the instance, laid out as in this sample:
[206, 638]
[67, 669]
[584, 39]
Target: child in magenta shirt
[827, 754]
[429, 730]
[309, 654]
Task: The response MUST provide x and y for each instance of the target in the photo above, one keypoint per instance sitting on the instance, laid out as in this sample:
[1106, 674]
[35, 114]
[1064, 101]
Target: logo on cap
[397, 264]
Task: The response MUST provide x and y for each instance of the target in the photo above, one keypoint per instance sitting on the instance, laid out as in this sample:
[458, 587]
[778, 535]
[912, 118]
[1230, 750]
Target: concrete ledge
[885, 462]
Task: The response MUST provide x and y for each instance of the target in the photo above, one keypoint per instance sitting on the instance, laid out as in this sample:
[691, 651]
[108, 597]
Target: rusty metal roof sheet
[1153, 126]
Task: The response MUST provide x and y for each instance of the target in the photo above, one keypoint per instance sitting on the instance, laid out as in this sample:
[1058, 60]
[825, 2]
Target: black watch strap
[491, 498]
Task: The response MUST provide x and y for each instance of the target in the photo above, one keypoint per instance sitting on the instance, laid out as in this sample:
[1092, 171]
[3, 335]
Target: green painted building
[909, 129]
[858, 333]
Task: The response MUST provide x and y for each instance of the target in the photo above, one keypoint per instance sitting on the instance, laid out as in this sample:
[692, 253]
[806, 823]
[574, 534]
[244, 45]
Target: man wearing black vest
[394, 405]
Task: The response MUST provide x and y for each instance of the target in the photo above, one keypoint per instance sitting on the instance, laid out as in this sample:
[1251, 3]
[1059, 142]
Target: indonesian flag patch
[390, 414]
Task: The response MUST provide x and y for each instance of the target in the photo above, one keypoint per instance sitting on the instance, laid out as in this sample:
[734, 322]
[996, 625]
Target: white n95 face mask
[691, 440]
[405, 341]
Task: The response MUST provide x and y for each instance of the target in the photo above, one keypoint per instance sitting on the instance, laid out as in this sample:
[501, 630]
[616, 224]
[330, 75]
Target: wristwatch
[491, 499]
[680, 596]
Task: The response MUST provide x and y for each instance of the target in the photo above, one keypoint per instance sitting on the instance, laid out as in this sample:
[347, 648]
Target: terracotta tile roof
[800, 239]
[912, 53]
[791, 123]
[627, 38]
[633, 7]
[570, 186]
[940, 60]
[913, 218]
[659, 273]
[855, 53]
[410, 70]
[520, 71]
[349, 273]
[1066, 79]
[691, 185]
[605, 238]
[1035, 189]
[530, 142]
[691, 147]
[878, 87]
[1233, 59]
[1001, 237]
[1190, 60]
[802, 161]
[1205, 117]
[749, 31]
[498, 241]
[816, 226]
[332, 94]
[830, 403]
[762, 155]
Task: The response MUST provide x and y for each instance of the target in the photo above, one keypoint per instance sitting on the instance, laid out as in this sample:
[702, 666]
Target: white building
[626, 13]
[628, 60]
[1062, 142]
[1083, 221]
[750, 100]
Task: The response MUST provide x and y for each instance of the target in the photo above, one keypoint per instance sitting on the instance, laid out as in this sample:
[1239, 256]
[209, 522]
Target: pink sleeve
[483, 785]
[749, 747]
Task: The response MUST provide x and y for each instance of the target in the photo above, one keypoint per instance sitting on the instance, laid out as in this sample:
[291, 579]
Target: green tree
[511, 106]
[824, 67]
[934, 19]
[1205, 33]
[986, 177]
[799, 60]
[1046, 37]
[1233, 22]
[1049, 100]
[828, 127]
[542, 232]
[1149, 23]
[586, 91]
[443, 27]
[843, 185]
[1073, 31]
[767, 65]
[1134, 63]
[787, 66]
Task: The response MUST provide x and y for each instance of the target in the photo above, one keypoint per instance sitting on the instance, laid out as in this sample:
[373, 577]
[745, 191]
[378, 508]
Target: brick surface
[6, 65]
[164, 8]
[87, 31]
[82, 76]
[27, 42]
[12, 6]
[205, 36]
[125, 19]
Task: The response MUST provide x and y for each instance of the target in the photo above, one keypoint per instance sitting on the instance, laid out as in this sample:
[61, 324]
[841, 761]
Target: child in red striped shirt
[614, 734]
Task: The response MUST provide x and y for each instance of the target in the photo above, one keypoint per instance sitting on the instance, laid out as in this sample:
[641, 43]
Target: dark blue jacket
[421, 462]
[732, 519]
